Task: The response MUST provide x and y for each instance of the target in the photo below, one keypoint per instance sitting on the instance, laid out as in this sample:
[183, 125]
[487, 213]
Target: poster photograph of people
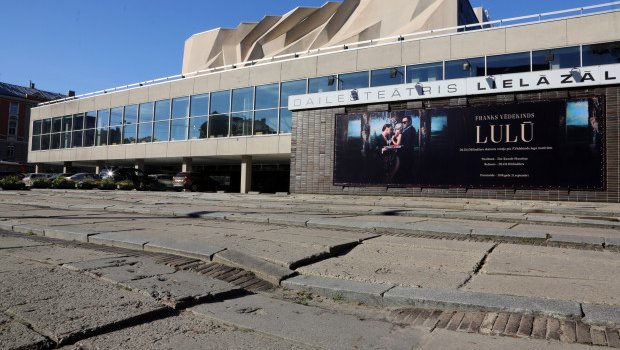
[527, 145]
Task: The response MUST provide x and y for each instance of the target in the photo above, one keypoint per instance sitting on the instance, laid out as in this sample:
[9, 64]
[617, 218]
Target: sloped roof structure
[307, 28]
[27, 92]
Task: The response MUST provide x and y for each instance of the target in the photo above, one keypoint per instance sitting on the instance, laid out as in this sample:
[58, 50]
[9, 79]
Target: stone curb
[190, 252]
[68, 235]
[440, 298]
[387, 295]
[29, 229]
[266, 270]
[370, 294]
[601, 314]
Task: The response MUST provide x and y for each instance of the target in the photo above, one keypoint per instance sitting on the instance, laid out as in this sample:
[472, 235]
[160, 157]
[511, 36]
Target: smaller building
[15, 104]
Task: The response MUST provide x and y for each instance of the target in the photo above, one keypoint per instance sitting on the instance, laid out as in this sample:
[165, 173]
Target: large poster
[526, 145]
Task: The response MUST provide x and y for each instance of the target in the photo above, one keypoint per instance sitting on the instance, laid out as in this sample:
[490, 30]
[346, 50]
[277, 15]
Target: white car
[30, 177]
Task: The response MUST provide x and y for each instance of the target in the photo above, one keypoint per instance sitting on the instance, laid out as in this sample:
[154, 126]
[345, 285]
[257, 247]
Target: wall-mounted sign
[530, 81]
[530, 145]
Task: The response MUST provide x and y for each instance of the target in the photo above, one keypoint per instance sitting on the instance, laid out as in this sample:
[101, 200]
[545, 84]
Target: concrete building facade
[229, 111]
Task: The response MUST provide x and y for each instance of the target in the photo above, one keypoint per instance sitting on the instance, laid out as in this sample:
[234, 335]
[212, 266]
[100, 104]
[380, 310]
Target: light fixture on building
[394, 73]
[419, 89]
[331, 80]
[466, 65]
[550, 57]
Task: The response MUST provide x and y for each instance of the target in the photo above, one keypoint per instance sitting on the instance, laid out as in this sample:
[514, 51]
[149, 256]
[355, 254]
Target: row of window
[262, 110]
[13, 121]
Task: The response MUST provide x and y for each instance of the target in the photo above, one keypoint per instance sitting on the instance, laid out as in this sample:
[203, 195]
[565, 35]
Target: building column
[99, 167]
[38, 168]
[186, 167]
[139, 164]
[67, 167]
[246, 174]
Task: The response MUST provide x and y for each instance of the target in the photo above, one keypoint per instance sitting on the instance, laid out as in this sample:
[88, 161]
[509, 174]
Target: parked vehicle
[137, 176]
[30, 177]
[194, 181]
[80, 178]
[54, 176]
[163, 180]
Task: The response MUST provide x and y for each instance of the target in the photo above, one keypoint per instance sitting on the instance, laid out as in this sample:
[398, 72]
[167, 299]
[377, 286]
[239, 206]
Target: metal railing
[494, 24]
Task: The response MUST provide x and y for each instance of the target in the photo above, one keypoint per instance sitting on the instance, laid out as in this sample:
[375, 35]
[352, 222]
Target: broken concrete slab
[185, 247]
[370, 294]
[14, 335]
[135, 270]
[266, 270]
[443, 298]
[58, 254]
[308, 325]
[96, 264]
[180, 288]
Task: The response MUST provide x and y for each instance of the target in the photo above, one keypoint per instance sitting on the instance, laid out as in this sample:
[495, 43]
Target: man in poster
[407, 142]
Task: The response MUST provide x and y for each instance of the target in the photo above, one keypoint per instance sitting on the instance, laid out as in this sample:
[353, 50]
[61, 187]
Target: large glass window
[597, 54]
[89, 138]
[161, 130]
[65, 139]
[131, 114]
[116, 135]
[180, 107]
[67, 123]
[162, 110]
[36, 127]
[146, 112]
[78, 121]
[56, 124]
[90, 120]
[46, 126]
[420, 73]
[506, 64]
[45, 142]
[291, 88]
[266, 122]
[322, 84]
[116, 116]
[241, 124]
[198, 127]
[130, 134]
[36, 143]
[199, 105]
[103, 118]
[353, 81]
[101, 138]
[178, 129]
[267, 96]
[471, 67]
[388, 76]
[55, 141]
[220, 102]
[77, 138]
[219, 119]
[145, 132]
[286, 121]
[566, 57]
[242, 99]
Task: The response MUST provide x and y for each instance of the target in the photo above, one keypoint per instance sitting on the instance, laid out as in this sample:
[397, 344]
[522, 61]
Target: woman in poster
[387, 152]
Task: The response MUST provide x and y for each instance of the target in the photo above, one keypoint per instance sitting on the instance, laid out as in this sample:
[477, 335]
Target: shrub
[88, 184]
[12, 182]
[107, 184]
[126, 185]
[63, 183]
[41, 183]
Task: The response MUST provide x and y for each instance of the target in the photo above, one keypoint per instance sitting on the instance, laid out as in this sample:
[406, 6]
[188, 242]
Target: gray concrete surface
[370, 294]
[310, 325]
[14, 335]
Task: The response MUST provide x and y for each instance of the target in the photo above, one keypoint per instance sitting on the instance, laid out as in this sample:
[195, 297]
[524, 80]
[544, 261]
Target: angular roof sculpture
[307, 28]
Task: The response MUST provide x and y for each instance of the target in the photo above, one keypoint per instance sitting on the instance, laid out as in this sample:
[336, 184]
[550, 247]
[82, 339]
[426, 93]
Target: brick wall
[312, 157]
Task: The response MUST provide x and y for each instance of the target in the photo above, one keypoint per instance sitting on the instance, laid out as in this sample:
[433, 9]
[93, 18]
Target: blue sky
[88, 45]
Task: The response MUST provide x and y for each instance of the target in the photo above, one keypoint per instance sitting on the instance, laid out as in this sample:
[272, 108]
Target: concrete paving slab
[96, 264]
[435, 227]
[58, 254]
[522, 260]
[143, 268]
[29, 229]
[262, 268]
[601, 314]
[187, 332]
[448, 340]
[612, 241]
[310, 325]
[180, 288]
[370, 294]
[463, 300]
[569, 230]
[337, 223]
[591, 240]
[198, 249]
[10, 242]
[121, 239]
[512, 233]
[14, 335]
[65, 305]
[390, 218]
[404, 261]
[580, 290]
[68, 234]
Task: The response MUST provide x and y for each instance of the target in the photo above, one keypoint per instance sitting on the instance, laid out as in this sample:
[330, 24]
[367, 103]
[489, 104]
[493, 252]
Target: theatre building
[418, 98]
